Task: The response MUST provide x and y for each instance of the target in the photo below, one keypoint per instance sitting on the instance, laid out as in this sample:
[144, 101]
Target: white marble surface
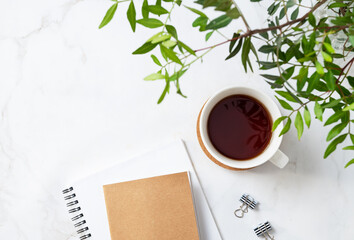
[73, 101]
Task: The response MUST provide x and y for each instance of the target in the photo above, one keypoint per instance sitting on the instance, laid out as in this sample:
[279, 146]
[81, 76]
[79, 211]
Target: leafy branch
[312, 64]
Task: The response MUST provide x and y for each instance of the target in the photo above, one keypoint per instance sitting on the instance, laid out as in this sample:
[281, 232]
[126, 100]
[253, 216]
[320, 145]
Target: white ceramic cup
[271, 153]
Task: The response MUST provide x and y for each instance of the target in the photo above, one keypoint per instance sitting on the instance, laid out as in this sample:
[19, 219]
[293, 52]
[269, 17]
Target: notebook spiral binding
[73, 205]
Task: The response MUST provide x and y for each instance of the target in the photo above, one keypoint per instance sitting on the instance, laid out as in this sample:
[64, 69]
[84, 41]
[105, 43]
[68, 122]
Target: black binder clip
[263, 231]
[247, 202]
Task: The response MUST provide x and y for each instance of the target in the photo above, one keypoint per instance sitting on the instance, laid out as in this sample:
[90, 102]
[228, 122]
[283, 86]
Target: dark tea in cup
[239, 127]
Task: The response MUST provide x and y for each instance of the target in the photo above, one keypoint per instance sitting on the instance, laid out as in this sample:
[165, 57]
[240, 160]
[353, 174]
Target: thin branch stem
[168, 15]
[337, 81]
[221, 34]
[345, 44]
[346, 65]
[242, 16]
[300, 5]
[199, 57]
[339, 84]
[304, 104]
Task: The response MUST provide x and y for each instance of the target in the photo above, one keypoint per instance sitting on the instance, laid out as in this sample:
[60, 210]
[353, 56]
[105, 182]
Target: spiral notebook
[86, 201]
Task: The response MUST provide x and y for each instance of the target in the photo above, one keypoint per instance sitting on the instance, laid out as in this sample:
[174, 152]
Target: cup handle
[279, 159]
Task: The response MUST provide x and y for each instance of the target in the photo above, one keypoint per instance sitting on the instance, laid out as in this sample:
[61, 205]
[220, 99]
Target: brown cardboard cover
[151, 209]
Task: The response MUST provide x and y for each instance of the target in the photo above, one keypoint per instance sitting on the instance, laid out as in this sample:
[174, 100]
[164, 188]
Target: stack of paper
[169, 159]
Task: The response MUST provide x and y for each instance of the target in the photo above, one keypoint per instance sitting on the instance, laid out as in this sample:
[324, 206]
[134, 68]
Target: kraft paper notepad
[86, 200]
[152, 208]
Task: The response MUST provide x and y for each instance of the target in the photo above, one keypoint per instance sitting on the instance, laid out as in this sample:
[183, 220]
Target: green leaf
[318, 111]
[233, 13]
[268, 65]
[233, 42]
[146, 47]
[335, 117]
[349, 163]
[236, 50]
[253, 49]
[163, 54]
[131, 15]
[245, 52]
[273, 8]
[277, 122]
[302, 74]
[313, 81]
[337, 5]
[326, 56]
[286, 127]
[171, 55]
[188, 49]
[150, 22]
[219, 22]
[351, 39]
[336, 70]
[330, 80]
[144, 10]
[348, 148]
[319, 68]
[223, 5]
[337, 55]
[154, 76]
[294, 14]
[172, 30]
[351, 80]
[335, 131]
[301, 78]
[349, 107]
[155, 36]
[249, 64]
[292, 51]
[312, 20]
[328, 47]
[297, 29]
[284, 104]
[288, 73]
[286, 95]
[282, 13]
[157, 10]
[307, 117]
[109, 15]
[156, 60]
[160, 38]
[333, 145]
[290, 3]
[305, 44]
[274, 85]
[270, 77]
[332, 103]
[196, 11]
[299, 125]
[201, 22]
[264, 35]
[169, 43]
[208, 35]
[166, 89]
[177, 75]
[267, 49]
